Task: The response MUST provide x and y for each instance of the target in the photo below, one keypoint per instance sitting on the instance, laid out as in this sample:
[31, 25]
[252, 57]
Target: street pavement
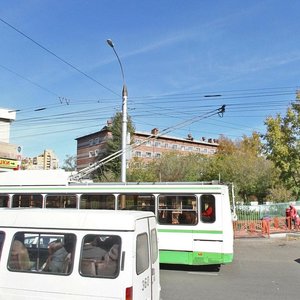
[263, 268]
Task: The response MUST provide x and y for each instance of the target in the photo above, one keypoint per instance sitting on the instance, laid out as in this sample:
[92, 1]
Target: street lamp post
[124, 116]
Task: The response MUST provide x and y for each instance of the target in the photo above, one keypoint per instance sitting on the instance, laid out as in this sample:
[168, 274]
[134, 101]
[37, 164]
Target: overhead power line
[88, 170]
[30, 81]
[58, 57]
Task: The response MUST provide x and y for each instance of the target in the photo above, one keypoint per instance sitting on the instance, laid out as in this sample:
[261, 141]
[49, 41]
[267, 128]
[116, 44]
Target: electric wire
[88, 170]
[58, 57]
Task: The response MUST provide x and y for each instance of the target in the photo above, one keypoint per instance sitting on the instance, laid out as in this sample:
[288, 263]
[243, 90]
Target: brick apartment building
[146, 146]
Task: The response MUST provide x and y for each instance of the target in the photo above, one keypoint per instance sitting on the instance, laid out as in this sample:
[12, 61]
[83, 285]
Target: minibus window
[97, 201]
[177, 209]
[2, 235]
[142, 253]
[154, 246]
[100, 256]
[50, 253]
[208, 208]
[27, 200]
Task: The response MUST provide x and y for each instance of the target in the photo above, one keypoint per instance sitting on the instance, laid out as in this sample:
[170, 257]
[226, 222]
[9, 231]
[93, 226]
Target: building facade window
[138, 153]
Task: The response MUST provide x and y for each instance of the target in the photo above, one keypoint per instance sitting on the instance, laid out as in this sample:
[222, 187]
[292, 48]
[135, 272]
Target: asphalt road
[262, 269]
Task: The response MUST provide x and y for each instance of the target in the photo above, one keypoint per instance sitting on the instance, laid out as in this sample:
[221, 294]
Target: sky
[182, 60]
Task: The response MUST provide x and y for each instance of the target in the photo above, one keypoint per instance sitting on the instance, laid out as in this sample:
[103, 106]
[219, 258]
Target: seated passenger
[187, 217]
[19, 258]
[208, 211]
[92, 250]
[57, 257]
[109, 266]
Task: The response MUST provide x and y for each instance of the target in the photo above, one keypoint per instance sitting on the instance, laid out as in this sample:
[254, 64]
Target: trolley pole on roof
[124, 115]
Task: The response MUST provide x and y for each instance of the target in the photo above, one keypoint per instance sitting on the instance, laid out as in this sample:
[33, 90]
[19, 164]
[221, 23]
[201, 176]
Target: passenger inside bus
[58, 259]
[208, 211]
[187, 217]
[100, 255]
[165, 216]
[208, 214]
[92, 249]
[109, 266]
[19, 257]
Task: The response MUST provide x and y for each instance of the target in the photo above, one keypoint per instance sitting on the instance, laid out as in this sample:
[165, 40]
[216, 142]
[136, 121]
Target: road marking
[203, 273]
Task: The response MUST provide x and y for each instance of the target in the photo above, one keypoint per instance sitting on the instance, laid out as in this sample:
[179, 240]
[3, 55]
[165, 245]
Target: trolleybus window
[98, 201]
[136, 202]
[61, 201]
[100, 256]
[42, 252]
[4, 200]
[142, 253]
[208, 208]
[177, 209]
[27, 200]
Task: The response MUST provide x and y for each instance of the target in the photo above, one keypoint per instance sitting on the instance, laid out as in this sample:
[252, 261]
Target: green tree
[69, 163]
[169, 168]
[283, 146]
[111, 171]
[173, 167]
[279, 194]
[140, 171]
[241, 163]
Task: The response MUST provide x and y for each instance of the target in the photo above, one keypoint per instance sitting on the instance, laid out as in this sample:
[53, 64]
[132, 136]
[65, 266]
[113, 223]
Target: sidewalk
[261, 228]
[287, 234]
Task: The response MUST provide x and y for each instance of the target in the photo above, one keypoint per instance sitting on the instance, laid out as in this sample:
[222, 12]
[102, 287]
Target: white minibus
[78, 254]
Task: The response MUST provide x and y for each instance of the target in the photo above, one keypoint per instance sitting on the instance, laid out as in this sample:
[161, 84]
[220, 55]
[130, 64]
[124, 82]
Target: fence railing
[259, 220]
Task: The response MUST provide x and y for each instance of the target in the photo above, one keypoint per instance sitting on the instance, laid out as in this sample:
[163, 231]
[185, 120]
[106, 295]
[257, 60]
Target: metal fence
[257, 212]
[249, 219]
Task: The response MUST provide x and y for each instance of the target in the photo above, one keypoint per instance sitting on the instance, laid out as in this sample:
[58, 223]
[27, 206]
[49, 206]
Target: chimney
[190, 137]
[155, 131]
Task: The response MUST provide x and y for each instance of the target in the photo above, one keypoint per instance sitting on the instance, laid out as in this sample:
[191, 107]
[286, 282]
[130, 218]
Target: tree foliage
[69, 163]
[111, 171]
[242, 164]
[169, 168]
[238, 162]
[282, 146]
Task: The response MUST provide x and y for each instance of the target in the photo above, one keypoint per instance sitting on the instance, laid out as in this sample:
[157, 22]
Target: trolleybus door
[208, 237]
